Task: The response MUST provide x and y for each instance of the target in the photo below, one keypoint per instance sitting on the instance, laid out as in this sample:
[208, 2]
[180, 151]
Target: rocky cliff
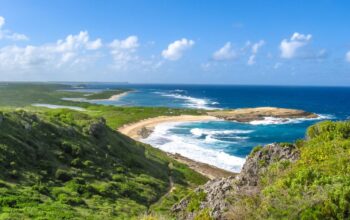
[217, 197]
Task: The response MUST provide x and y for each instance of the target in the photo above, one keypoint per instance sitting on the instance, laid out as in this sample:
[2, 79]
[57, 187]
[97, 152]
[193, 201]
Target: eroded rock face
[258, 162]
[220, 193]
[216, 193]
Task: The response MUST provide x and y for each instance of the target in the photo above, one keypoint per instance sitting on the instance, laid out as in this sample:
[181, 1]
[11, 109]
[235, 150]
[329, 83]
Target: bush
[196, 198]
[76, 162]
[70, 200]
[63, 175]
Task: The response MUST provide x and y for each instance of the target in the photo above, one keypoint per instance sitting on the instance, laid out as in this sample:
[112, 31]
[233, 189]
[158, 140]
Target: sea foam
[279, 121]
[189, 147]
[190, 102]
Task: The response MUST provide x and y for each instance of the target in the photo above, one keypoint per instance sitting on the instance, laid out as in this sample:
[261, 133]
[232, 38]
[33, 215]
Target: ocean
[226, 144]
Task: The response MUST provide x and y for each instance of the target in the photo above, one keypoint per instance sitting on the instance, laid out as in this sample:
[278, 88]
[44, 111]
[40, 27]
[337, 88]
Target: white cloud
[73, 50]
[176, 49]
[79, 41]
[123, 51]
[347, 56]
[7, 34]
[94, 45]
[225, 53]
[289, 48]
[255, 49]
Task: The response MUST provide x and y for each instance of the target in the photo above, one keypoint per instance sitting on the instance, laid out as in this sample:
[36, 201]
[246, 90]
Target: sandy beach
[117, 96]
[133, 130]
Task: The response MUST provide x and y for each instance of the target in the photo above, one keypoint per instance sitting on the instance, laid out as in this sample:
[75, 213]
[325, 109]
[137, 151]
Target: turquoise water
[226, 144]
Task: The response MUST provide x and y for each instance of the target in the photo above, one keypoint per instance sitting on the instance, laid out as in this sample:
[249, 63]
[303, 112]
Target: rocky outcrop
[259, 161]
[220, 194]
[145, 132]
[256, 114]
[216, 192]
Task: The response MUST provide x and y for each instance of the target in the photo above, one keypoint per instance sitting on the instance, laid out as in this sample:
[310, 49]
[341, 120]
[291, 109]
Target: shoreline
[115, 97]
[142, 129]
[118, 96]
[133, 131]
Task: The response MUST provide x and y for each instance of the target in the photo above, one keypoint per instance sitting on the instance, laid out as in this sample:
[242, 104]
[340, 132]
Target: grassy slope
[25, 94]
[317, 186]
[52, 166]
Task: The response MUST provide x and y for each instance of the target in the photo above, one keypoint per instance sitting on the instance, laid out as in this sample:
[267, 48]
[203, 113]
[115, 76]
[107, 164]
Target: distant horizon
[195, 84]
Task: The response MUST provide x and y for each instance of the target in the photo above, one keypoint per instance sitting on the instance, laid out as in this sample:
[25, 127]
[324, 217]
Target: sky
[270, 42]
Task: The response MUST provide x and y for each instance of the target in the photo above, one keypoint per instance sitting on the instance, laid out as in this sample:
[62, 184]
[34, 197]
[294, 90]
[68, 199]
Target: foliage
[317, 186]
[196, 198]
[56, 164]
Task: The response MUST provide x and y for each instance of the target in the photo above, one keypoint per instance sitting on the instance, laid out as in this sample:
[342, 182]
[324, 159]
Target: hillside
[63, 164]
[309, 179]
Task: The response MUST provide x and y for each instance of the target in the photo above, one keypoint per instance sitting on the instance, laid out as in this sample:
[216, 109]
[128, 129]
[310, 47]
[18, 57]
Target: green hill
[63, 164]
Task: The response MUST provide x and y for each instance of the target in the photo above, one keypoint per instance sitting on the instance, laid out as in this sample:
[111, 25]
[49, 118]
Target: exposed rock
[254, 114]
[145, 132]
[221, 193]
[96, 129]
[257, 162]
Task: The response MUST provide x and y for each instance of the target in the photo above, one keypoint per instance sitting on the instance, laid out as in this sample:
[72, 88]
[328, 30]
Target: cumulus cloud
[123, 51]
[70, 51]
[7, 34]
[290, 47]
[255, 49]
[347, 56]
[176, 49]
[225, 53]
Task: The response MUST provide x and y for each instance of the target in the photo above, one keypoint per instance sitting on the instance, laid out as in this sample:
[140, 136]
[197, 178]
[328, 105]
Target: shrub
[196, 198]
[62, 175]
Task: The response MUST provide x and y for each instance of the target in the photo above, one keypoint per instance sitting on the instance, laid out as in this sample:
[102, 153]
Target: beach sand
[117, 96]
[133, 130]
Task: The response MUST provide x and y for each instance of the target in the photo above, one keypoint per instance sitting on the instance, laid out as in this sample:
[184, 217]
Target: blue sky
[271, 42]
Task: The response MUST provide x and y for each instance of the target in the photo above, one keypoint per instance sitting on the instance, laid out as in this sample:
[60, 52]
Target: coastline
[133, 131]
[117, 96]
[144, 128]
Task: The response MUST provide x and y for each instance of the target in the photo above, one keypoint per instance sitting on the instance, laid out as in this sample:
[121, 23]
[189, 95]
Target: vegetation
[63, 164]
[26, 94]
[317, 186]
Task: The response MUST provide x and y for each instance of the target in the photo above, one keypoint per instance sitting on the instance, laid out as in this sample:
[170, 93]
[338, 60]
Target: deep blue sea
[226, 144]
